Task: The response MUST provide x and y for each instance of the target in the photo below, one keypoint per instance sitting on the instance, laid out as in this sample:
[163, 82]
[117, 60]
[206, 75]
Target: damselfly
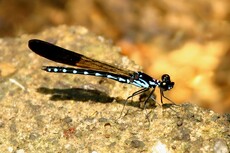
[89, 66]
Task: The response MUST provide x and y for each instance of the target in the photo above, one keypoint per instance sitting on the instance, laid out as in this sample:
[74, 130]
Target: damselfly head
[166, 83]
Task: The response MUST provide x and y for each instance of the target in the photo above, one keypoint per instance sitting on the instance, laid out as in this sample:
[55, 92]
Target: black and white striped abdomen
[120, 78]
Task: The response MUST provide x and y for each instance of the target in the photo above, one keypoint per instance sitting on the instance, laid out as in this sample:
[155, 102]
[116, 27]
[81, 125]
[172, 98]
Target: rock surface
[47, 112]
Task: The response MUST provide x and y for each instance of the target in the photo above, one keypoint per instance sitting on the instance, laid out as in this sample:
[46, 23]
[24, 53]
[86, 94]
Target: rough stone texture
[47, 112]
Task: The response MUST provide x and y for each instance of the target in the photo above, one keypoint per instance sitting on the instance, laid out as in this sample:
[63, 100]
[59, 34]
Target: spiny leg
[134, 94]
[162, 95]
[150, 95]
[147, 99]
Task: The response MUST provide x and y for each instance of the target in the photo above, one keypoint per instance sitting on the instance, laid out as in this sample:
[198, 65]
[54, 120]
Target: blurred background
[190, 40]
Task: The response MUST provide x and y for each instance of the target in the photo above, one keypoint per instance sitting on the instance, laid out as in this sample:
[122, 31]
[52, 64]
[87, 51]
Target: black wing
[61, 55]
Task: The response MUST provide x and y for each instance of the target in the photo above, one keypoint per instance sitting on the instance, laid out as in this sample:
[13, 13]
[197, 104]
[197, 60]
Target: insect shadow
[76, 94]
[84, 95]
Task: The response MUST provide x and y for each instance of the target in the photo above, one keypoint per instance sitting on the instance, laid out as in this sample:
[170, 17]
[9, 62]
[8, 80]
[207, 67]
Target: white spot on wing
[111, 77]
[74, 71]
[98, 74]
[85, 72]
[55, 70]
[121, 79]
[64, 70]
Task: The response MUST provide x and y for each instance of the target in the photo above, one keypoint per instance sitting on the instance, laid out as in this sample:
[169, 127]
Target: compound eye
[166, 83]
[165, 78]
